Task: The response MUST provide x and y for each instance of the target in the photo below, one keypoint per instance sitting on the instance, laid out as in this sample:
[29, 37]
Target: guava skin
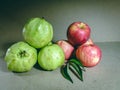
[20, 57]
[38, 32]
[51, 57]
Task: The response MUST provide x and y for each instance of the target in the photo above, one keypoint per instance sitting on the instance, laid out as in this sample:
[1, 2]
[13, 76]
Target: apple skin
[21, 57]
[38, 32]
[89, 55]
[51, 57]
[78, 33]
[88, 42]
[66, 47]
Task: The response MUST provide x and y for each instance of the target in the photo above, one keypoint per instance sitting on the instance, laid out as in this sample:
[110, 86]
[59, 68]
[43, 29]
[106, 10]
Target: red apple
[78, 33]
[67, 48]
[89, 55]
[88, 42]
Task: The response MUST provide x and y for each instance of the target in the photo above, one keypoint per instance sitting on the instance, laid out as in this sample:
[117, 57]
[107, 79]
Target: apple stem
[82, 25]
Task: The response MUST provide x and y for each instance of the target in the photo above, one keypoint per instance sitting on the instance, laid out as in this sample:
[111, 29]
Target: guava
[51, 57]
[38, 32]
[20, 57]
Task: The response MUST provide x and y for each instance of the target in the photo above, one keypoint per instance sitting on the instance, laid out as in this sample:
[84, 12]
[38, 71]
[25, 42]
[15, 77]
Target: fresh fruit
[78, 33]
[89, 55]
[51, 57]
[38, 32]
[20, 57]
[67, 48]
[73, 54]
[88, 42]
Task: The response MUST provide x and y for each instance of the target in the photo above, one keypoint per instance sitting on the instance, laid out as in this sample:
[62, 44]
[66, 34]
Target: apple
[20, 57]
[38, 32]
[51, 57]
[66, 47]
[78, 33]
[89, 55]
[88, 42]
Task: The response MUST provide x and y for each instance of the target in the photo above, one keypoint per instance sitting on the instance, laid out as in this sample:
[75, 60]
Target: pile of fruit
[73, 54]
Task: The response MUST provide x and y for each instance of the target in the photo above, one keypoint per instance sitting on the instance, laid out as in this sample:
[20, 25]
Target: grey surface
[104, 76]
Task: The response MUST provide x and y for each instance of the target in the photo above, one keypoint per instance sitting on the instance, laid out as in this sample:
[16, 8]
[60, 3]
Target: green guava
[20, 57]
[38, 32]
[51, 57]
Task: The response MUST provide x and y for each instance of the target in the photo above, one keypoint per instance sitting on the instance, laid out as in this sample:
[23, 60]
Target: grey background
[101, 15]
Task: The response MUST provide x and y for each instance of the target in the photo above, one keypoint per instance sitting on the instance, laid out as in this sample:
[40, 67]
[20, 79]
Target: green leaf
[76, 70]
[64, 71]
[77, 62]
